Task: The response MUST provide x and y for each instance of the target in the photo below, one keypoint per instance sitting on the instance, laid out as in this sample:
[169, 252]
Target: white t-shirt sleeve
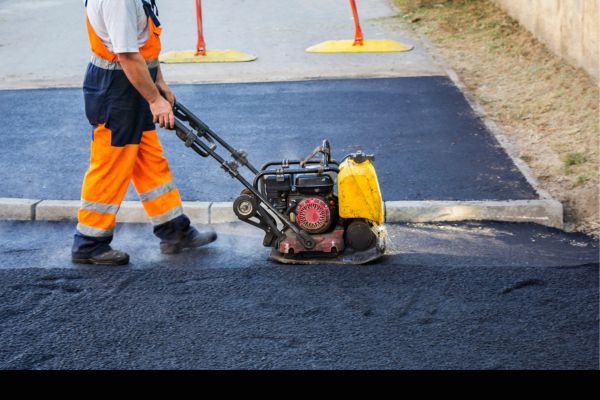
[120, 18]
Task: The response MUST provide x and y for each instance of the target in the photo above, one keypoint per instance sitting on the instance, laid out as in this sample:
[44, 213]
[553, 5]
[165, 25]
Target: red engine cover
[313, 215]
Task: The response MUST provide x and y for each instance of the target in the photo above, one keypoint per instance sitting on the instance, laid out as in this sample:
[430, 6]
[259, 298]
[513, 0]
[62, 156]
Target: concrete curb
[76, 84]
[130, 211]
[18, 209]
[546, 212]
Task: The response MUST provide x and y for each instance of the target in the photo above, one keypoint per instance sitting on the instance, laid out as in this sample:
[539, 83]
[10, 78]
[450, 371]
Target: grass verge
[546, 107]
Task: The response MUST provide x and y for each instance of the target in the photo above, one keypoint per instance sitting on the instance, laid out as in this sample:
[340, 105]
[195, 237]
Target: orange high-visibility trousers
[107, 179]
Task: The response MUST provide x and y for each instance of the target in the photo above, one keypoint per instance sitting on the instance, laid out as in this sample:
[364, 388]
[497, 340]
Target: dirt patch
[546, 107]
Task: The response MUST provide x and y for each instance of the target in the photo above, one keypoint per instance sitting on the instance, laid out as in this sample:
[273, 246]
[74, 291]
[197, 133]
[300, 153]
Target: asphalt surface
[474, 296]
[429, 145]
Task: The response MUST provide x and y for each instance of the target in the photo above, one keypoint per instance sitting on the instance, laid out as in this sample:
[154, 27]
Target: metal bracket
[231, 167]
[190, 139]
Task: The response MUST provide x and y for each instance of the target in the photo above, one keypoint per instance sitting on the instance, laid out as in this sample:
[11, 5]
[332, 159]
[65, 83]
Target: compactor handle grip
[183, 114]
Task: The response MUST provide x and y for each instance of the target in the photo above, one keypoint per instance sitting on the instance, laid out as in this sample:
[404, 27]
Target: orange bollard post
[358, 36]
[201, 55]
[200, 45]
[359, 44]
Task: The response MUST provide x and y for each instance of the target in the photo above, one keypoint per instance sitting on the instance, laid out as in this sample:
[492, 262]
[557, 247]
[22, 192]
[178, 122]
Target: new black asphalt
[428, 142]
[489, 296]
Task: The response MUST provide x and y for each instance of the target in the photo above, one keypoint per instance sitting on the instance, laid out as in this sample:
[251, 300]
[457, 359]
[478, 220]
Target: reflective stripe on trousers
[160, 198]
[94, 232]
[95, 212]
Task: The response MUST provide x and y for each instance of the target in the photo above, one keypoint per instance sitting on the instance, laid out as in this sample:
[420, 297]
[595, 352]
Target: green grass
[571, 160]
[575, 158]
[581, 180]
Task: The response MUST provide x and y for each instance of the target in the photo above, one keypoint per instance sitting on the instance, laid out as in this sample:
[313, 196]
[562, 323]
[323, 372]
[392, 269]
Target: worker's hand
[166, 92]
[162, 113]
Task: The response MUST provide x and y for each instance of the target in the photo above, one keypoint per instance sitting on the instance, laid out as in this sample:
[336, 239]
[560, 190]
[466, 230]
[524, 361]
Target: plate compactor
[306, 217]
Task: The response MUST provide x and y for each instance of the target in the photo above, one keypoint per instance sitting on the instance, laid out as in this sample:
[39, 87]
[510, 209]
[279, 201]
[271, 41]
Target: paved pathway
[428, 143]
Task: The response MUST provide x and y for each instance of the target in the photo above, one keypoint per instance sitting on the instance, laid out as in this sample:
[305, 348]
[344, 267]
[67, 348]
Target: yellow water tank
[358, 189]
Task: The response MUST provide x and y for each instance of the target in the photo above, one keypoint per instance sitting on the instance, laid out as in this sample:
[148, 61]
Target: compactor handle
[200, 127]
[325, 149]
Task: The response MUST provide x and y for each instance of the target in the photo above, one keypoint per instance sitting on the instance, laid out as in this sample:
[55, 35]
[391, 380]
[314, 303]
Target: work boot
[191, 239]
[111, 257]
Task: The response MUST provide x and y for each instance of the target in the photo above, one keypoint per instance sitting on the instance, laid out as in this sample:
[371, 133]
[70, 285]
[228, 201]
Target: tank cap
[360, 157]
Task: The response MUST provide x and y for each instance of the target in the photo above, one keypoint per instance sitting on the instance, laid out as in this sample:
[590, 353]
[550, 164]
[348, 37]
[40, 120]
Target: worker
[125, 95]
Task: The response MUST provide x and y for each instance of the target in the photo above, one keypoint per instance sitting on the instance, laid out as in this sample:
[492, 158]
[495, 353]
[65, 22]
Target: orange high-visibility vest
[150, 50]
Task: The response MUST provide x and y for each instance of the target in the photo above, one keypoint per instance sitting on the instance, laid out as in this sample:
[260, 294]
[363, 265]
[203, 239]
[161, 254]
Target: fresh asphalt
[429, 145]
[463, 295]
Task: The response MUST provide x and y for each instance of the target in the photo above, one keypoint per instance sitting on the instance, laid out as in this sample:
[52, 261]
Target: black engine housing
[286, 196]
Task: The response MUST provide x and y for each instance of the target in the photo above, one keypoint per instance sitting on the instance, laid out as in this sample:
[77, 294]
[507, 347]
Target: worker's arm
[136, 70]
[163, 88]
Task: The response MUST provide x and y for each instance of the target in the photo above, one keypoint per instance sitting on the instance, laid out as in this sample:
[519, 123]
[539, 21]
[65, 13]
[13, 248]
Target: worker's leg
[159, 195]
[104, 187]
[157, 190]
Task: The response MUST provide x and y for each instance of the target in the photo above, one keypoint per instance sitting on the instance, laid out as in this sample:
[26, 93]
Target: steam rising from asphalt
[237, 245]
[43, 244]
[23, 243]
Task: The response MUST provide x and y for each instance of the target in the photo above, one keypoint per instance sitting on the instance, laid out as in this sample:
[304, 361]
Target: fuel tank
[359, 195]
